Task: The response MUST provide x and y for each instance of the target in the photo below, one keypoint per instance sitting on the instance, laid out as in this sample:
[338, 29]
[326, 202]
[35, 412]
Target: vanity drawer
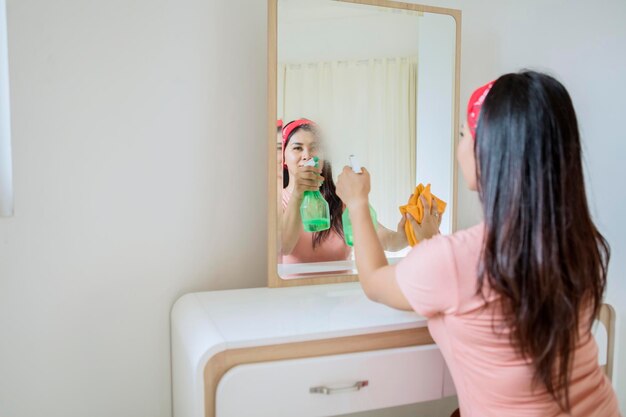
[389, 377]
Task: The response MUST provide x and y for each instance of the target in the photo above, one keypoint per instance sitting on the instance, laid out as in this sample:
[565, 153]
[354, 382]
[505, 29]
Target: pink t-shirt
[334, 248]
[439, 278]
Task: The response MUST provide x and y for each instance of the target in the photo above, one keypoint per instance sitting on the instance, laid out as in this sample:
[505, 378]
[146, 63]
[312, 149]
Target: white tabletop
[264, 316]
[347, 267]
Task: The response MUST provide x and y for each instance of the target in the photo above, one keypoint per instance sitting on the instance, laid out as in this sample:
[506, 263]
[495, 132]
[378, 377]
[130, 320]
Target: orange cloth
[415, 208]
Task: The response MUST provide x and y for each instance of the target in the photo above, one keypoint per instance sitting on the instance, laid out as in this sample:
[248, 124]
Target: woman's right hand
[307, 178]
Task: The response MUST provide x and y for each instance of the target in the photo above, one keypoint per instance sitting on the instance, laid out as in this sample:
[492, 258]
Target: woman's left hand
[353, 188]
[430, 221]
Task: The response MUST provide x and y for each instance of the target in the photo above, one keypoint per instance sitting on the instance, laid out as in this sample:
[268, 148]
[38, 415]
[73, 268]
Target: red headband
[290, 127]
[279, 124]
[473, 106]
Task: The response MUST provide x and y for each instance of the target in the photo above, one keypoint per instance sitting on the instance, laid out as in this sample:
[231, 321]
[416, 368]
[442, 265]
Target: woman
[511, 301]
[301, 142]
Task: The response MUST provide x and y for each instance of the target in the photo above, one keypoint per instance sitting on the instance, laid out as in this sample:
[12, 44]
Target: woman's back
[490, 375]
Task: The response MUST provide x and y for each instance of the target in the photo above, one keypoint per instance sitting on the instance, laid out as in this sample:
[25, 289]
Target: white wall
[129, 122]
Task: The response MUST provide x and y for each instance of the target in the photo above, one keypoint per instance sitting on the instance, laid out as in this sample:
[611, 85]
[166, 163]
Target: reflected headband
[290, 127]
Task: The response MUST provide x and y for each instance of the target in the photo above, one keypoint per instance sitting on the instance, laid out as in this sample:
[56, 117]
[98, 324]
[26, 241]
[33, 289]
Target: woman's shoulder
[461, 240]
[449, 245]
[439, 274]
[463, 246]
[471, 236]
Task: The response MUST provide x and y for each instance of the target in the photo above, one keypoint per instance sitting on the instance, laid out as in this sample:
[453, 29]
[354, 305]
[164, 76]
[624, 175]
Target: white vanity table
[305, 351]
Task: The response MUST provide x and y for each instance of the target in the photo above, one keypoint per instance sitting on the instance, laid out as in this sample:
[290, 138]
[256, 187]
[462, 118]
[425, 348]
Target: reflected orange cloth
[415, 208]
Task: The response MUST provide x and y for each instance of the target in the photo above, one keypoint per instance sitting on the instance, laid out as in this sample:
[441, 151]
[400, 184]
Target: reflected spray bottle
[314, 209]
[345, 217]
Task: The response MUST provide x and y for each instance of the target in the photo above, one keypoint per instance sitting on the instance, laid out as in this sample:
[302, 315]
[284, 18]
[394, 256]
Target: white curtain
[366, 108]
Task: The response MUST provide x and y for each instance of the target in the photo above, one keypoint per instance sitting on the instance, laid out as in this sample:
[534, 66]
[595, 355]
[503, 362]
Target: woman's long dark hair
[542, 252]
[327, 190]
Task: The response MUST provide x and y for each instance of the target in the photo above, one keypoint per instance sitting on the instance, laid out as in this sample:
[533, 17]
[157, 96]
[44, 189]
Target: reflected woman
[301, 141]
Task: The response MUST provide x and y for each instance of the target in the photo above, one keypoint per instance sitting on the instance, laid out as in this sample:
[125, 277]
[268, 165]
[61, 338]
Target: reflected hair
[542, 252]
[327, 190]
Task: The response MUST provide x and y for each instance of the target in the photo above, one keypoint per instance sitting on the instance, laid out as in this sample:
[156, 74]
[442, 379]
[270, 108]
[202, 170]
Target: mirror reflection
[362, 80]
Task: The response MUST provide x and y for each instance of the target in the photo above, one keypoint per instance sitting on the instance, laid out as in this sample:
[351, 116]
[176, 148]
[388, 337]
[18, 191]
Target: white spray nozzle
[311, 162]
[354, 163]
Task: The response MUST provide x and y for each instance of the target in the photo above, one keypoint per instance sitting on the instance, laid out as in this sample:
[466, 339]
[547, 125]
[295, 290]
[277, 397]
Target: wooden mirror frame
[274, 280]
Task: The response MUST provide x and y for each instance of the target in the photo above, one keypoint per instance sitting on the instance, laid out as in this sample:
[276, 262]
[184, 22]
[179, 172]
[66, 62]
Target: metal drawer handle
[327, 391]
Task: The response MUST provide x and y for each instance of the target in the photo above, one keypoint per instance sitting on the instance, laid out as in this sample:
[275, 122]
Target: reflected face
[466, 158]
[302, 146]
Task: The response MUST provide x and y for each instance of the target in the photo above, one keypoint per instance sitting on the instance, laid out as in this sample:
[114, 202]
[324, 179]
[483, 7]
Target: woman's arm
[376, 276]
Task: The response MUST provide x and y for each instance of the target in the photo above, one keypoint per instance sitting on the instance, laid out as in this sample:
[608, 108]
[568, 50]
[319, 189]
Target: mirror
[375, 79]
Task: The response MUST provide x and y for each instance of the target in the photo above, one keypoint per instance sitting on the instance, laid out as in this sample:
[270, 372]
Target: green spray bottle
[345, 217]
[314, 209]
